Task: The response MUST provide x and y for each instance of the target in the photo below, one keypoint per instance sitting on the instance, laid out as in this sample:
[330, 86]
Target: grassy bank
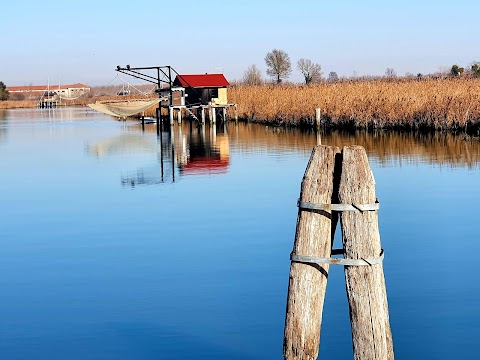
[450, 103]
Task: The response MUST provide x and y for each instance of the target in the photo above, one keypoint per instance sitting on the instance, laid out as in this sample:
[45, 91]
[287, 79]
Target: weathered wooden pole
[366, 292]
[203, 115]
[307, 282]
[179, 116]
[318, 124]
[318, 117]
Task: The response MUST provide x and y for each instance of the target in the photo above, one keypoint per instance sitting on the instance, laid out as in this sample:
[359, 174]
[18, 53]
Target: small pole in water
[318, 124]
[203, 115]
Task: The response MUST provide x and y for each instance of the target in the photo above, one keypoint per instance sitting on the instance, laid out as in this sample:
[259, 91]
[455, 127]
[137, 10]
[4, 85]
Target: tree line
[279, 68]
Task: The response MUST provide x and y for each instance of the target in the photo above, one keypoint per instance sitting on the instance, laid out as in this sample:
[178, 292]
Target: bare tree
[252, 76]
[390, 73]
[278, 65]
[312, 72]
[332, 76]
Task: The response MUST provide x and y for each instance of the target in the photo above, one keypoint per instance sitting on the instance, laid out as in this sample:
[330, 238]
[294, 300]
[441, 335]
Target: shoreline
[427, 105]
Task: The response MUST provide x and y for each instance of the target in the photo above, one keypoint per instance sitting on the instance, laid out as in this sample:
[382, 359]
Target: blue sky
[83, 41]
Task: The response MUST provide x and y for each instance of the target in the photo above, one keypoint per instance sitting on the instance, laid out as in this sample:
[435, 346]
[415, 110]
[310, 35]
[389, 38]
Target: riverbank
[427, 104]
[82, 101]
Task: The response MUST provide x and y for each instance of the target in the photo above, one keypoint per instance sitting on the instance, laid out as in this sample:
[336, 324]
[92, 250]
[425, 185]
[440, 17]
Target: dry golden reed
[450, 103]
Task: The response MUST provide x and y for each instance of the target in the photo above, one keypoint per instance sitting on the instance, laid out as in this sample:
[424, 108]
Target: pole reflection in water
[201, 150]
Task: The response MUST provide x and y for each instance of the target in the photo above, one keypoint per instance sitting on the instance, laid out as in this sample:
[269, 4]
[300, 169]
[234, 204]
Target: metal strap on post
[304, 205]
[337, 261]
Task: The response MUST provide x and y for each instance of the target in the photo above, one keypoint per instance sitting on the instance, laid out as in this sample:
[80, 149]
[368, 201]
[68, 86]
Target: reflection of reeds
[435, 148]
[438, 104]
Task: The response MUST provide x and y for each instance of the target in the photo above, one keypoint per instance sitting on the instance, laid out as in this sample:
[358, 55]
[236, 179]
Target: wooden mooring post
[337, 182]
[318, 117]
[318, 125]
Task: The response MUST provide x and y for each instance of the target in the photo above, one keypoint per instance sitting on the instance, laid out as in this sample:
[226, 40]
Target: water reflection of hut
[207, 158]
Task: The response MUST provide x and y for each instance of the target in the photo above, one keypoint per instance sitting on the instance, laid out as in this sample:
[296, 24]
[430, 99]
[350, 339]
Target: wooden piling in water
[366, 291]
[339, 182]
[307, 282]
[318, 118]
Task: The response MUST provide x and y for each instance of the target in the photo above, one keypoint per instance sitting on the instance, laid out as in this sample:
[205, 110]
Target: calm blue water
[118, 244]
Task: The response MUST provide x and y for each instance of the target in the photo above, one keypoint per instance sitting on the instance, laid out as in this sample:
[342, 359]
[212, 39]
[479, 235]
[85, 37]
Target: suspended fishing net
[69, 97]
[124, 108]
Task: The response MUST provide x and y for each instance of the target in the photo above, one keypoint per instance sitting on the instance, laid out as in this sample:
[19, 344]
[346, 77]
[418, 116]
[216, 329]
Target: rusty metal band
[337, 261]
[304, 205]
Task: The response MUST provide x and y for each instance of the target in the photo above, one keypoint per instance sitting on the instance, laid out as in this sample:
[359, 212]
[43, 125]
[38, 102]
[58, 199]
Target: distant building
[37, 91]
[208, 89]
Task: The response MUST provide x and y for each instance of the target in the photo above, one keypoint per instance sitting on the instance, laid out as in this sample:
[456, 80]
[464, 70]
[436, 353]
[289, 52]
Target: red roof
[45, 87]
[201, 81]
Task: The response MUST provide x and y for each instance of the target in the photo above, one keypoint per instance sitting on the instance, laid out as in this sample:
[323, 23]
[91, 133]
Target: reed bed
[449, 103]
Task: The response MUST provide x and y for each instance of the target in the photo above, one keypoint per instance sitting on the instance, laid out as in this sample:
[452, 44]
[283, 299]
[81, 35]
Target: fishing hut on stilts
[194, 96]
